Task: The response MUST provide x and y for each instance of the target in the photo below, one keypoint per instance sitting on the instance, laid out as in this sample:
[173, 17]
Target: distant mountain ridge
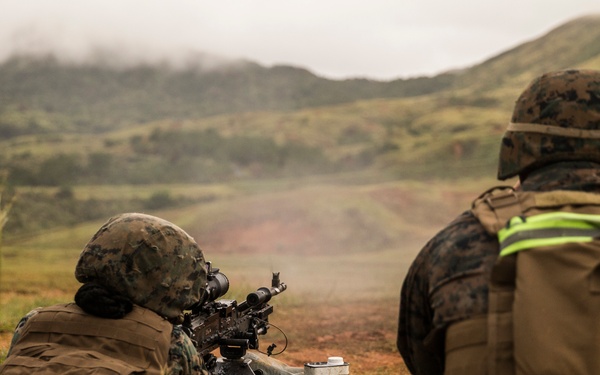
[99, 97]
[67, 130]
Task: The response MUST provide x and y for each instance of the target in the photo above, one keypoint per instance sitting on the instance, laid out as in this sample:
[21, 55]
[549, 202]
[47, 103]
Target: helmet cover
[556, 118]
[146, 259]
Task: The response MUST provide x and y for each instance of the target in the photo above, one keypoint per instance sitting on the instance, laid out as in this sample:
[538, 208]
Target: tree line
[172, 156]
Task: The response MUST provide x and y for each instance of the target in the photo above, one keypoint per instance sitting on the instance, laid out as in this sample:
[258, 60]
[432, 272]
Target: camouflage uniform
[155, 265]
[183, 358]
[550, 144]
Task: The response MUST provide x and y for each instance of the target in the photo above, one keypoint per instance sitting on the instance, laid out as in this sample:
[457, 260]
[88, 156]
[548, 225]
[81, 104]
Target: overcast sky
[377, 39]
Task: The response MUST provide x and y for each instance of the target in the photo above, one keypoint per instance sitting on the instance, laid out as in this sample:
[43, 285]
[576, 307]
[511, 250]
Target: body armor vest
[544, 291]
[63, 339]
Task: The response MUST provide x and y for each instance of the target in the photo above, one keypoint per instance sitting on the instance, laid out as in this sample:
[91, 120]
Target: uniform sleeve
[19, 328]
[415, 320]
[447, 282]
[183, 357]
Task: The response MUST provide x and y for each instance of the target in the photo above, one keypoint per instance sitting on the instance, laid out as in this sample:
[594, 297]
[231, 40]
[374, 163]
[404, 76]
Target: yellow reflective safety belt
[549, 229]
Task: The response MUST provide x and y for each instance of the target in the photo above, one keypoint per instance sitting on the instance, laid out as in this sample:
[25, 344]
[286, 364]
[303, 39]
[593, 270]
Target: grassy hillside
[49, 96]
[77, 127]
[575, 44]
[154, 123]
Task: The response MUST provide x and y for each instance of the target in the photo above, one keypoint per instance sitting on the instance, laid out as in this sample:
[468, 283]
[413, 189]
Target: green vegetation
[166, 156]
[364, 127]
[42, 208]
[71, 127]
[44, 95]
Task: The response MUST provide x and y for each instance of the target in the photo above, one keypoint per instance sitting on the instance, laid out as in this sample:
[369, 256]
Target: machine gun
[233, 328]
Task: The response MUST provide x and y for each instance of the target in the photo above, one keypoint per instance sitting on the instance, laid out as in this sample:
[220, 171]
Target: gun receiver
[221, 323]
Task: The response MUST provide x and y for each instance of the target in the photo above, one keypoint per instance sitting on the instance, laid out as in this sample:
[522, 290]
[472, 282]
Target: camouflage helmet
[147, 259]
[556, 118]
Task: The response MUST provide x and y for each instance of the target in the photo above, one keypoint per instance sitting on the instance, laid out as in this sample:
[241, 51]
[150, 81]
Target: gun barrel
[264, 294]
